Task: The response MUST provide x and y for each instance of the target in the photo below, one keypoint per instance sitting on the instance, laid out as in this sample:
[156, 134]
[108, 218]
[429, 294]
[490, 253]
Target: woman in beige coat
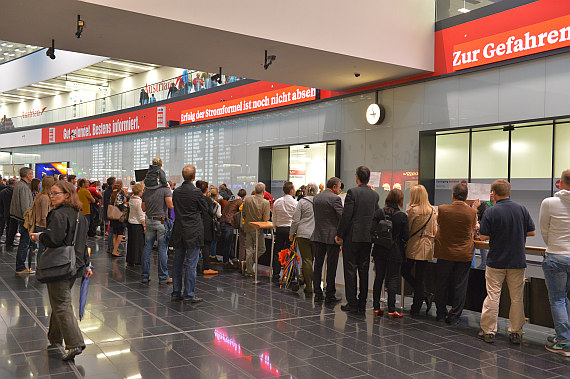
[422, 218]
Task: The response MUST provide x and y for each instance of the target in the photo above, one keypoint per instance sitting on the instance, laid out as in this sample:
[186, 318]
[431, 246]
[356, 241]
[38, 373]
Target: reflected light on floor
[113, 353]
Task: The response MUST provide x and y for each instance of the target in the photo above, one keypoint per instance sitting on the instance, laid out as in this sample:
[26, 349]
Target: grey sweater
[22, 200]
[303, 219]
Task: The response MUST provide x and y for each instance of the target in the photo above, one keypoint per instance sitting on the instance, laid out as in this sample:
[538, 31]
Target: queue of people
[400, 241]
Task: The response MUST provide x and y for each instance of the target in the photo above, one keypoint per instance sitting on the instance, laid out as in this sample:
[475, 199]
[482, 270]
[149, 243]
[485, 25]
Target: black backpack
[382, 233]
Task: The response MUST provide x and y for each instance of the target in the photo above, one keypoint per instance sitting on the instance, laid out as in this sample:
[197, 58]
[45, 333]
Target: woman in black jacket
[60, 230]
[208, 221]
[387, 261]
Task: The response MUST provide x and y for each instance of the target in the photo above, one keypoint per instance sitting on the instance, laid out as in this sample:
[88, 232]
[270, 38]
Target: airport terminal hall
[284, 189]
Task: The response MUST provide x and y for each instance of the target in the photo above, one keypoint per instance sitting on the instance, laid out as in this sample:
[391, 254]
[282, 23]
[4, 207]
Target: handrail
[530, 250]
[116, 102]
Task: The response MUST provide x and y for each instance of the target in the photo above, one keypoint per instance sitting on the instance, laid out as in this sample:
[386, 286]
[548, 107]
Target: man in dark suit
[6, 221]
[187, 235]
[354, 234]
[327, 207]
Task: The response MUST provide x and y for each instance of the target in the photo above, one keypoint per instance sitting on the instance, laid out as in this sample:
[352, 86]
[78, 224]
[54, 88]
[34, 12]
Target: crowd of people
[199, 221]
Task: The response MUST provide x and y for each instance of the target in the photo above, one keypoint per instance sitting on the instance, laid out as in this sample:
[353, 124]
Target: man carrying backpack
[454, 252]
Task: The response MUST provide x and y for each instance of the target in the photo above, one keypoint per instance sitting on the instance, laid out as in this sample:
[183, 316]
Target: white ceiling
[143, 38]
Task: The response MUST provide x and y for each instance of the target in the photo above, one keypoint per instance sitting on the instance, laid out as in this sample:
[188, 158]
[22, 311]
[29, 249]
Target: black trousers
[11, 230]
[62, 322]
[330, 251]
[281, 242]
[451, 276]
[416, 281]
[356, 259]
[389, 271]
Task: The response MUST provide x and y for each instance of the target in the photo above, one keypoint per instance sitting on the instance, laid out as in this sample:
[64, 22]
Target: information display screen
[52, 168]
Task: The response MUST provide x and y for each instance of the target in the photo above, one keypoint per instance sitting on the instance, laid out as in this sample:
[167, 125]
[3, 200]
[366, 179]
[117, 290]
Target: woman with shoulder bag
[209, 232]
[119, 200]
[387, 260]
[66, 226]
[135, 227]
[213, 194]
[419, 251]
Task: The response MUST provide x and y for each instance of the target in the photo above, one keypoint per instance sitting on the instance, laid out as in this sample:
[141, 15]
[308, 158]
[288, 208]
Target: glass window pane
[452, 156]
[489, 154]
[531, 152]
[561, 149]
[531, 170]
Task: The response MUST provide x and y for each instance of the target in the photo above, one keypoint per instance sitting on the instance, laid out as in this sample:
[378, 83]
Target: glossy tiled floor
[244, 331]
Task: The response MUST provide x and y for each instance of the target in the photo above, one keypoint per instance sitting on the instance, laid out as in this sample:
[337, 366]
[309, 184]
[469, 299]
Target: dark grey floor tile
[163, 358]
[335, 367]
[308, 371]
[188, 371]
[398, 363]
[410, 354]
[343, 354]
[453, 370]
[379, 370]
[521, 368]
[469, 362]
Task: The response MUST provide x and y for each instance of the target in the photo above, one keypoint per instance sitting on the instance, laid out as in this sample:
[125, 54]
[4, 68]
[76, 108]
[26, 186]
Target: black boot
[429, 301]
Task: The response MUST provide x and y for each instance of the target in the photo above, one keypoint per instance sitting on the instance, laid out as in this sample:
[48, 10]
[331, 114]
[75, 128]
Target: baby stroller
[289, 260]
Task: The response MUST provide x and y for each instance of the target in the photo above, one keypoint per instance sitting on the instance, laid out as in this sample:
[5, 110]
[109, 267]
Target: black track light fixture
[80, 26]
[50, 52]
[218, 77]
[268, 60]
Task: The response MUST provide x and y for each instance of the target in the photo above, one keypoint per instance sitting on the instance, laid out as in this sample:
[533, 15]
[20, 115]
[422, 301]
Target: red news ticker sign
[240, 100]
[531, 39]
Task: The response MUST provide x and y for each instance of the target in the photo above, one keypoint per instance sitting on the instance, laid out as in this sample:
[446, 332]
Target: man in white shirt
[283, 210]
[555, 229]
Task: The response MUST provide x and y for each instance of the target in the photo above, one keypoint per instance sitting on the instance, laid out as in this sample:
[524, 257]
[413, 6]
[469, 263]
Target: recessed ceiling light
[131, 65]
[12, 54]
[9, 45]
[4, 44]
[5, 53]
[104, 72]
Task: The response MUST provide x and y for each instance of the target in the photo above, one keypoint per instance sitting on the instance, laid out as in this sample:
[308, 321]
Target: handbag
[113, 212]
[124, 213]
[58, 263]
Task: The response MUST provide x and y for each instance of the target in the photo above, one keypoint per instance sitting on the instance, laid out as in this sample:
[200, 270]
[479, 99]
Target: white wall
[398, 32]
[37, 67]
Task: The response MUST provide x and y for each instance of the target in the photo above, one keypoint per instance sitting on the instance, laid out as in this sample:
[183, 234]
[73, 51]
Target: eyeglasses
[55, 193]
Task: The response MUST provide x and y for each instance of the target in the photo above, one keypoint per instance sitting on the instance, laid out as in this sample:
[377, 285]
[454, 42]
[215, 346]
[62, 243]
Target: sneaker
[378, 312]
[515, 338]
[193, 300]
[561, 349]
[551, 339]
[489, 338]
[145, 280]
[22, 272]
[210, 272]
[167, 281]
[395, 314]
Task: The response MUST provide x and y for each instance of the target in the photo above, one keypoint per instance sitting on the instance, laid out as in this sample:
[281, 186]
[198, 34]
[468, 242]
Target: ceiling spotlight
[268, 60]
[80, 26]
[218, 77]
[51, 51]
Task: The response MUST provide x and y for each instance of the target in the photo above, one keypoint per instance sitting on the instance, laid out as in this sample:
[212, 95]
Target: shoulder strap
[423, 227]
[76, 228]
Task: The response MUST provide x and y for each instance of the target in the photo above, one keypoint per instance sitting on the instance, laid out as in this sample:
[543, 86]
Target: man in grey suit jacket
[354, 233]
[327, 207]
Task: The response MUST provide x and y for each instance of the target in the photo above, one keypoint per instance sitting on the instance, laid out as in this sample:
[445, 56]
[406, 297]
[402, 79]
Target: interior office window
[451, 163]
[531, 170]
[561, 149]
[489, 155]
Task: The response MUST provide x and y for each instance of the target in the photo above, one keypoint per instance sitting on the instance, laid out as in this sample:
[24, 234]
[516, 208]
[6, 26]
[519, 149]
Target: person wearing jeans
[187, 235]
[156, 203]
[155, 231]
[22, 200]
[554, 227]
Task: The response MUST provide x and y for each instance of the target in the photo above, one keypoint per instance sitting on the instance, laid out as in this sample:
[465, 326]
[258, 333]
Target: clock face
[374, 114]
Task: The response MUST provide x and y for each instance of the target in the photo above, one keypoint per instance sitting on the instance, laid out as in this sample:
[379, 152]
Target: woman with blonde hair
[422, 217]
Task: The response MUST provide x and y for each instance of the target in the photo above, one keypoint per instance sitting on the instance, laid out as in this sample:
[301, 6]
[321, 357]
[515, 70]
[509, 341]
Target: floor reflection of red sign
[254, 363]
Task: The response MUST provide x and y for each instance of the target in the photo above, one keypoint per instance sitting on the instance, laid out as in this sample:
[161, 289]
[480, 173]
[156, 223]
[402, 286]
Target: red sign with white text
[243, 99]
[261, 101]
[531, 39]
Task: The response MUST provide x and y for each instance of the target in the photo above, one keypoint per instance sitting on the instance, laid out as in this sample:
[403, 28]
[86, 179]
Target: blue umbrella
[83, 296]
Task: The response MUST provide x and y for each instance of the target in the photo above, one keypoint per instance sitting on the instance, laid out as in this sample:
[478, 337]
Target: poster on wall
[50, 169]
[479, 191]
[375, 179]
